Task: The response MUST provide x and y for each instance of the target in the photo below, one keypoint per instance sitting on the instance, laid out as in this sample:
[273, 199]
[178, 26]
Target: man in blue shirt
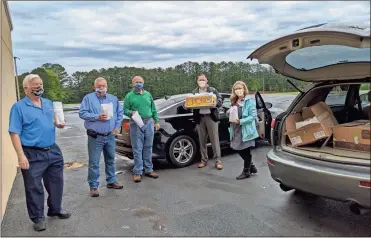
[101, 132]
[32, 131]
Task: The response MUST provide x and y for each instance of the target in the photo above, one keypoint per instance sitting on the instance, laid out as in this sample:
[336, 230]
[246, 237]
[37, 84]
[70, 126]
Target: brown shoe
[152, 175]
[115, 185]
[94, 192]
[219, 166]
[202, 164]
[137, 178]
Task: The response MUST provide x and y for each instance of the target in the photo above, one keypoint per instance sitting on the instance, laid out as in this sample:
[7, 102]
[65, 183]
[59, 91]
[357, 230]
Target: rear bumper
[332, 180]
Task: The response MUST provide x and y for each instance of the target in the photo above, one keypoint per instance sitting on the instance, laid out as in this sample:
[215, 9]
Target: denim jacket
[248, 121]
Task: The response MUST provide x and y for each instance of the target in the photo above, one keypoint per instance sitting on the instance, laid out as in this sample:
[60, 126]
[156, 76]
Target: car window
[364, 97]
[163, 103]
[176, 109]
[171, 110]
[337, 96]
[321, 56]
[226, 102]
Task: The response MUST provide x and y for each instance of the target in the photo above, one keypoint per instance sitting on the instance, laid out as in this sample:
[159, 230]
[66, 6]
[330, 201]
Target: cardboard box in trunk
[312, 132]
[354, 136]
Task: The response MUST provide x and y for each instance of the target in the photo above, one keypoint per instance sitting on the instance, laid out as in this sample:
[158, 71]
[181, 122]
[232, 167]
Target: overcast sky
[91, 35]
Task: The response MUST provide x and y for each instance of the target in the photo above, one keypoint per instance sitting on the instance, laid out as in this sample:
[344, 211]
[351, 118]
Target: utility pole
[16, 77]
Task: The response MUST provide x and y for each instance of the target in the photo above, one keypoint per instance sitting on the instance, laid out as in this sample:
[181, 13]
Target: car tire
[182, 151]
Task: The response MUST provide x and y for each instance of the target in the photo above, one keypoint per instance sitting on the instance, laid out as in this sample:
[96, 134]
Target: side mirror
[268, 105]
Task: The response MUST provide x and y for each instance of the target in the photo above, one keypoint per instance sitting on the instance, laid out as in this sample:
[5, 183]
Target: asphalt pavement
[182, 202]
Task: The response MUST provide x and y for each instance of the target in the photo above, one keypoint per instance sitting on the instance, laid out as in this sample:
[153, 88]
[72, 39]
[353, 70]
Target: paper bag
[137, 119]
[233, 114]
[107, 109]
[58, 112]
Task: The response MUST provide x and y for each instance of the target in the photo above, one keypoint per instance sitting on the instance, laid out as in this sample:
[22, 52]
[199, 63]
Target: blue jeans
[96, 146]
[142, 142]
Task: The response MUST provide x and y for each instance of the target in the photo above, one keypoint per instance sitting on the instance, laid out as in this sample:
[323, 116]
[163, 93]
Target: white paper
[296, 140]
[107, 109]
[233, 114]
[319, 134]
[138, 119]
[58, 112]
[308, 121]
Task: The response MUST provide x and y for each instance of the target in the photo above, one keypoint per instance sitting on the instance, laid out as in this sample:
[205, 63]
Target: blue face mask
[138, 86]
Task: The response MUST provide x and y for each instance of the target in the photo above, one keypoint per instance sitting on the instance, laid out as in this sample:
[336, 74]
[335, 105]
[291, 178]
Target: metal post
[16, 77]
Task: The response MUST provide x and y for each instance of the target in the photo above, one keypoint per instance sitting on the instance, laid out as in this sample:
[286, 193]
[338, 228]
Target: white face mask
[201, 84]
[239, 92]
[102, 90]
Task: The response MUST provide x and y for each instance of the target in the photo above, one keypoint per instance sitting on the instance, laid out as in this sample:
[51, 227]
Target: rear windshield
[162, 103]
[325, 55]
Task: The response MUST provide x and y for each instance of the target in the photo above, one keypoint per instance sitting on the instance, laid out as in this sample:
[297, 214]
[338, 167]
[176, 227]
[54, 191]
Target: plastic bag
[233, 114]
[107, 109]
[137, 119]
[58, 112]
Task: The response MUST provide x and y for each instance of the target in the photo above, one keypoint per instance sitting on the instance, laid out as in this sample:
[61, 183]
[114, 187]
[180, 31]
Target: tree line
[71, 88]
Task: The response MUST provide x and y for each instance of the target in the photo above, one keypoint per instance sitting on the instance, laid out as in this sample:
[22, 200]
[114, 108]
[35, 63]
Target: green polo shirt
[142, 103]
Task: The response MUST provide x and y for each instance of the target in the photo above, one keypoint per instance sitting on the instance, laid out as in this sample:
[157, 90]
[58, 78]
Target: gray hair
[99, 79]
[29, 78]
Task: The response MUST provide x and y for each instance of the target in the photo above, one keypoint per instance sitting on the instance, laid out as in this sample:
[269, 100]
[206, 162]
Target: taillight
[273, 123]
[365, 184]
[126, 125]
[269, 161]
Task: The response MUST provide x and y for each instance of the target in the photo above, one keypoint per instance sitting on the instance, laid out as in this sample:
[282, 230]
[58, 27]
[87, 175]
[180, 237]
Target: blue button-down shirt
[34, 125]
[90, 109]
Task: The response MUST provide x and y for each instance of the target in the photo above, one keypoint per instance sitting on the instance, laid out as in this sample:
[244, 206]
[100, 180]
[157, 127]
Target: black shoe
[244, 175]
[60, 215]
[39, 226]
[253, 169]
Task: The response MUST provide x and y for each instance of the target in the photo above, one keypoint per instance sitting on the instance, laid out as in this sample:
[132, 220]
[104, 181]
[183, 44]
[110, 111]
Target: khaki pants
[208, 128]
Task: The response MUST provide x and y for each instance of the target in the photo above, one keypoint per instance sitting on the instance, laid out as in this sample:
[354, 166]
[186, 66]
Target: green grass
[71, 104]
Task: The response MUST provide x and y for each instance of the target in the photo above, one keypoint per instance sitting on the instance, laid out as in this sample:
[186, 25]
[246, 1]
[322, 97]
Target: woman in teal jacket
[243, 131]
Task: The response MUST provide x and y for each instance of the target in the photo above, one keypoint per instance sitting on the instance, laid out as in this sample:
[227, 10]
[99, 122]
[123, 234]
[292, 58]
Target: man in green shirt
[141, 101]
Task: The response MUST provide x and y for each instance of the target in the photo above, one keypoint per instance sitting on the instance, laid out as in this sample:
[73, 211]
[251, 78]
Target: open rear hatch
[320, 53]
[330, 53]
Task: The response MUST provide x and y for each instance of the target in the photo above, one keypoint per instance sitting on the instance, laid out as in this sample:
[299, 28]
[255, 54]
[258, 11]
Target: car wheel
[182, 151]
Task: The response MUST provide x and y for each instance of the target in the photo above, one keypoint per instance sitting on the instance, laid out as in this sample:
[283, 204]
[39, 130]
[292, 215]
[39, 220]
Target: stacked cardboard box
[353, 136]
[301, 133]
[317, 123]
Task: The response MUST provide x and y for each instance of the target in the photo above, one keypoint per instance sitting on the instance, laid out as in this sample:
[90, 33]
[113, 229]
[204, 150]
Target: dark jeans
[246, 156]
[46, 166]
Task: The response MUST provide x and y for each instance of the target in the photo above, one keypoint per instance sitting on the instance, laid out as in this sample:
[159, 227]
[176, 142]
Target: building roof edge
[6, 7]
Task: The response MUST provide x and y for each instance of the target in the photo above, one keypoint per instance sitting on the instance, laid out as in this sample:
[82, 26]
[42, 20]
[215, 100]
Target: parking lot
[182, 202]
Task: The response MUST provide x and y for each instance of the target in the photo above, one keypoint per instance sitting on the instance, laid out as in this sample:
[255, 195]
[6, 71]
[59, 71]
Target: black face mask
[38, 92]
